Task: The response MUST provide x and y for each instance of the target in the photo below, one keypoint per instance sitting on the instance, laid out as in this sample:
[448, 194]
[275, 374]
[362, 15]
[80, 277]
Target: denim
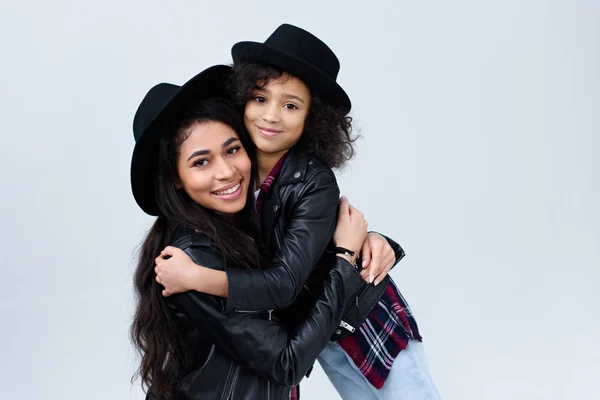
[409, 377]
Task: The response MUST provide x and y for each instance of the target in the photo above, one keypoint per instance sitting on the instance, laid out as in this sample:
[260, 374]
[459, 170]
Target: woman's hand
[378, 258]
[351, 230]
[175, 270]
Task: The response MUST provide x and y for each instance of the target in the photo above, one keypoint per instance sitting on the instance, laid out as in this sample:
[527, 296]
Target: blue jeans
[409, 377]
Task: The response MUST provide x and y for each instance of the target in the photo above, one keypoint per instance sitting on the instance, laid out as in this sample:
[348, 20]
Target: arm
[261, 344]
[309, 231]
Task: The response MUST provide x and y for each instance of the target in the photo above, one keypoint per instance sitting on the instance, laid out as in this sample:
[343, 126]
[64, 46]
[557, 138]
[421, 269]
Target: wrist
[350, 259]
[194, 280]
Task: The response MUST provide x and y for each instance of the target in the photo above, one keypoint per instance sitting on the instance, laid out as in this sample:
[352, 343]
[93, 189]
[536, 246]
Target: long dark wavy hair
[327, 132]
[164, 355]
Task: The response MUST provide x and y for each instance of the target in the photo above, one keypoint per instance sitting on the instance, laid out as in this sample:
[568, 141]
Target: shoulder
[198, 246]
[188, 237]
[304, 169]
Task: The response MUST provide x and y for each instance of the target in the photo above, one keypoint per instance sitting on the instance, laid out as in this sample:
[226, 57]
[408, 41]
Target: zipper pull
[270, 312]
[356, 301]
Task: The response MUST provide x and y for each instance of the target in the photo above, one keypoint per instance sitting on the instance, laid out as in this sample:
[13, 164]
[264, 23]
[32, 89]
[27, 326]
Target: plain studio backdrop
[479, 154]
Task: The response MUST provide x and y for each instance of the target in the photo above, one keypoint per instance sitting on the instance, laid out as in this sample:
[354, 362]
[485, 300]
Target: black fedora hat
[302, 54]
[160, 105]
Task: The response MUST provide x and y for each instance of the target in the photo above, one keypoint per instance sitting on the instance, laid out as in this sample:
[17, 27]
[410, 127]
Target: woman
[296, 115]
[190, 168]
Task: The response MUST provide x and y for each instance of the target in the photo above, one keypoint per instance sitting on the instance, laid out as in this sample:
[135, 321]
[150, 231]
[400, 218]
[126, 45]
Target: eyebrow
[204, 152]
[292, 96]
[285, 96]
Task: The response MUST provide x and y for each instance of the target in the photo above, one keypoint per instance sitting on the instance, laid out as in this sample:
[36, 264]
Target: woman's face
[213, 167]
[275, 114]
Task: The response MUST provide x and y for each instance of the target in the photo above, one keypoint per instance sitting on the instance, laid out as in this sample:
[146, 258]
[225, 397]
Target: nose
[271, 113]
[225, 170]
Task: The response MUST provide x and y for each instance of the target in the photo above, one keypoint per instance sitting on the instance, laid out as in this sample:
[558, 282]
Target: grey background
[479, 155]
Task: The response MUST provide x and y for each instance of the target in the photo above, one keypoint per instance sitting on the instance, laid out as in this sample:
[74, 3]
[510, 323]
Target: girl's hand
[378, 258]
[351, 230]
[175, 270]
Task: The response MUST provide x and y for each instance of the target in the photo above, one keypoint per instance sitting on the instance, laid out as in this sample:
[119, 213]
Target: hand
[378, 258]
[174, 270]
[351, 230]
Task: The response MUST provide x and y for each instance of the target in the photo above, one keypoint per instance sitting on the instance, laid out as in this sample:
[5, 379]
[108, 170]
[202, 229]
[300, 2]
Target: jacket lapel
[293, 171]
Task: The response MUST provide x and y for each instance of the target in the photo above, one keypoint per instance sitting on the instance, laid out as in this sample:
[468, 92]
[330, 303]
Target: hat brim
[144, 162]
[316, 80]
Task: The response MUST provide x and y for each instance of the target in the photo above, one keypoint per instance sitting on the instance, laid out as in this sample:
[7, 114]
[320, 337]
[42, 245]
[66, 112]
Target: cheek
[194, 182]
[250, 111]
[299, 124]
[244, 166]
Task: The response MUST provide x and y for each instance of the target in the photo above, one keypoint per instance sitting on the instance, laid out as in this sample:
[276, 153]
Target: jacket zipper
[225, 395]
[233, 383]
[268, 390]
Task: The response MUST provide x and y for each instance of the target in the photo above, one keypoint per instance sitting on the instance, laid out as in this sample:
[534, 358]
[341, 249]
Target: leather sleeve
[255, 341]
[308, 233]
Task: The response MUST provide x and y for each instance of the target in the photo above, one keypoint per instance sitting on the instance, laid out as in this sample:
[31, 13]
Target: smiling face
[213, 167]
[276, 113]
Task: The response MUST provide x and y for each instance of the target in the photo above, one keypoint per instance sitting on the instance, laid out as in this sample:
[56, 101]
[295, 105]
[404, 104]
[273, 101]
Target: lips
[267, 132]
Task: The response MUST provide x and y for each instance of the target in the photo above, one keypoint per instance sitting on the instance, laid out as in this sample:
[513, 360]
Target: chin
[231, 208]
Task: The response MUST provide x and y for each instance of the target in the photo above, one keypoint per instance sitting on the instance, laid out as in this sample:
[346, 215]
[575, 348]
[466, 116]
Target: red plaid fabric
[385, 333]
[265, 187]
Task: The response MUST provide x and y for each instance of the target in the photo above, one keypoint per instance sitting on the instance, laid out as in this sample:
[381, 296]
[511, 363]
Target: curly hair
[327, 132]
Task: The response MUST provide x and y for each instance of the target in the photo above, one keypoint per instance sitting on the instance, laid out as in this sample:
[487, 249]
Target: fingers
[375, 267]
[355, 213]
[366, 254]
[169, 251]
[166, 293]
[387, 264]
[344, 206]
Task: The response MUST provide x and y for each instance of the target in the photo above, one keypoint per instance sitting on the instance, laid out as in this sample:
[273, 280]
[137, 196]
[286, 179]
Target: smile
[229, 194]
[267, 132]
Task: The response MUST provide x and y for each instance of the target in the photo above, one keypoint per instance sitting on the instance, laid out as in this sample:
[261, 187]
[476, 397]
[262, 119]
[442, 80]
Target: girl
[296, 115]
[190, 168]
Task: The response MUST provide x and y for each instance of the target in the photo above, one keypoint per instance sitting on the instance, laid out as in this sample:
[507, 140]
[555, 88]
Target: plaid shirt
[382, 336]
[384, 333]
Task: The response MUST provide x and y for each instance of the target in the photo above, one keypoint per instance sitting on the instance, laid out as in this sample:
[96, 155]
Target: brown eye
[233, 150]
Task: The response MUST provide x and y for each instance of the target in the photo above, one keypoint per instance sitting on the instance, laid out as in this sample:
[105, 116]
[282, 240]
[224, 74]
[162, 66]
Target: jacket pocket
[267, 313]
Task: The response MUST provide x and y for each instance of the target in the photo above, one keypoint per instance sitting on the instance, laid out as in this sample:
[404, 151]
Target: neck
[266, 162]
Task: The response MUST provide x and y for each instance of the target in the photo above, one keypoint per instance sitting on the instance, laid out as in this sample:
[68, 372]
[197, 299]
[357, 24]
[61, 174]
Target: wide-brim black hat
[300, 53]
[159, 108]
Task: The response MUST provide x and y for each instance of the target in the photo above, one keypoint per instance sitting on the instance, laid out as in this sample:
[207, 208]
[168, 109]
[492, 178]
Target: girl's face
[213, 167]
[276, 113]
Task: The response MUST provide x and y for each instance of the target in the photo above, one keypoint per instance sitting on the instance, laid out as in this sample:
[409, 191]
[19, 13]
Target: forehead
[286, 84]
[206, 135]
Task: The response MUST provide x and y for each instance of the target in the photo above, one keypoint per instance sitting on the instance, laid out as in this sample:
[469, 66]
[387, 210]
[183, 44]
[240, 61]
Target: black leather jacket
[298, 220]
[250, 355]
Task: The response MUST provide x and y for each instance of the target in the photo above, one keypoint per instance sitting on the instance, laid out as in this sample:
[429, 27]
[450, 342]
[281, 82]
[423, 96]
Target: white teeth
[228, 191]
